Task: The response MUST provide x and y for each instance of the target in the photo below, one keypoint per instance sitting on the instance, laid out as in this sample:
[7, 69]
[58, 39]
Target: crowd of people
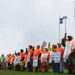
[41, 59]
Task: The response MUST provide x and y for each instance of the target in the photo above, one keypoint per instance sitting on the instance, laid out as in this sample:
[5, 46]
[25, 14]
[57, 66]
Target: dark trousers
[17, 67]
[56, 67]
[30, 66]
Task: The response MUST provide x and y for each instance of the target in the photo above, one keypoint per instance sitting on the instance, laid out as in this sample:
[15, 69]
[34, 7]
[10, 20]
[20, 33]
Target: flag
[61, 20]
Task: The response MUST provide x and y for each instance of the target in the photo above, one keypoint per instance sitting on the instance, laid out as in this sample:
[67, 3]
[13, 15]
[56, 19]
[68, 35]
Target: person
[22, 54]
[36, 61]
[61, 51]
[69, 54]
[67, 47]
[21, 64]
[9, 61]
[30, 57]
[54, 47]
[58, 52]
[17, 61]
[47, 53]
[71, 62]
[6, 62]
[26, 60]
[71, 58]
[43, 58]
[2, 61]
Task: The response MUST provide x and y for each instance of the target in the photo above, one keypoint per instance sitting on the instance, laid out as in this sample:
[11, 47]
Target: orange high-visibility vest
[9, 59]
[25, 57]
[40, 53]
[48, 55]
[43, 53]
[61, 50]
[37, 52]
[22, 54]
[31, 52]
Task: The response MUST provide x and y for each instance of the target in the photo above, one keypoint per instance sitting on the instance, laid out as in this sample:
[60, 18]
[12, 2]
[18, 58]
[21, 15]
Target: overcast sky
[24, 22]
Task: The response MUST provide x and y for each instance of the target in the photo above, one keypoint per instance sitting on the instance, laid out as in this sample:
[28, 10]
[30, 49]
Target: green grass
[11, 72]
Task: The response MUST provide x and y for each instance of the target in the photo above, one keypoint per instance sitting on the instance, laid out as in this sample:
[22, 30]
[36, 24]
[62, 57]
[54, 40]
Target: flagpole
[59, 31]
[65, 25]
[65, 17]
[74, 12]
[60, 22]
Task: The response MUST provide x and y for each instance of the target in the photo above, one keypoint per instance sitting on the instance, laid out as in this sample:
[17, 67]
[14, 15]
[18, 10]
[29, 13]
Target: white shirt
[17, 60]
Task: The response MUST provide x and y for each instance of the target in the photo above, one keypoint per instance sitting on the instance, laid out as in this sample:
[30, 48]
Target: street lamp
[65, 17]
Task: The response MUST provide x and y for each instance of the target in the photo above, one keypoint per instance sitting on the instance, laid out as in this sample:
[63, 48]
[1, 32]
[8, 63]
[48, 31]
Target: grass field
[11, 72]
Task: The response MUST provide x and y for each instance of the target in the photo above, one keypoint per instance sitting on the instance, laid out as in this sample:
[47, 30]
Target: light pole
[59, 30]
[65, 17]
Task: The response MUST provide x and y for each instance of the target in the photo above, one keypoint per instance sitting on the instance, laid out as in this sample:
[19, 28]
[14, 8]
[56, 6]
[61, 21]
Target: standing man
[30, 56]
[61, 51]
[69, 54]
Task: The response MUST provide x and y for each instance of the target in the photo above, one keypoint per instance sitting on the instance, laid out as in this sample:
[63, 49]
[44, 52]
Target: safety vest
[61, 51]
